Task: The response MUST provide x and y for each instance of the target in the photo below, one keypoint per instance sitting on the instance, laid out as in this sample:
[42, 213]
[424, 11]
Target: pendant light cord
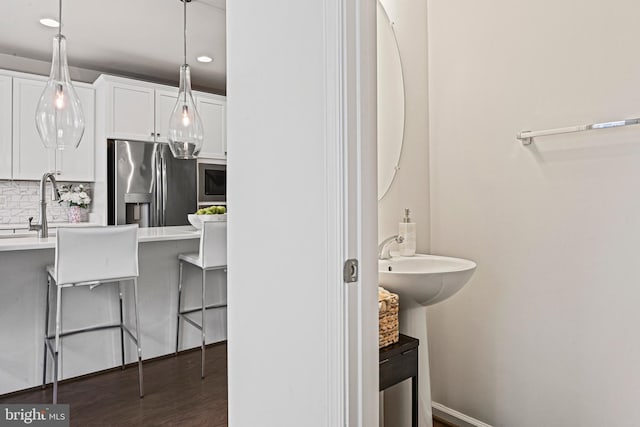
[184, 39]
[60, 39]
[59, 17]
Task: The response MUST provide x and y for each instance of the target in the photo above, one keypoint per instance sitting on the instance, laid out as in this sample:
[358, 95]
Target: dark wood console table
[399, 362]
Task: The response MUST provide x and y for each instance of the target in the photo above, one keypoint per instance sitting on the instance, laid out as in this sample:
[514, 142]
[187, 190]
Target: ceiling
[141, 38]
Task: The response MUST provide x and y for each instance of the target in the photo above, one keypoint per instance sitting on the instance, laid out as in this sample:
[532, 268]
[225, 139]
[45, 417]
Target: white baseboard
[459, 416]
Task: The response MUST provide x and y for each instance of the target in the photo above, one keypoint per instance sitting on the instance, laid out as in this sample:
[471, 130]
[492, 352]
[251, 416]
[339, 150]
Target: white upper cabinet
[78, 164]
[30, 158]
[165, 101]
[212, 110]
[130, 112]
[5, 127]
[137, 110]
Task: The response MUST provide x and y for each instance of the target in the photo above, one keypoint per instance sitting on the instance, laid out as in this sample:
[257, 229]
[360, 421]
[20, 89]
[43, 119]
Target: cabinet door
[78, 164]
[5, 127]
[165, 101]
[213, 114]
[131, 112]
[30, 158]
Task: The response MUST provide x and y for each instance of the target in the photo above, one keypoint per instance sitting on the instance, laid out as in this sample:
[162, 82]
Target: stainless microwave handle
[200, 183]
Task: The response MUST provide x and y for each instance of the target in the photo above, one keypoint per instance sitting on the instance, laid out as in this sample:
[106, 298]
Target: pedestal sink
[426, 279]
[420, 281]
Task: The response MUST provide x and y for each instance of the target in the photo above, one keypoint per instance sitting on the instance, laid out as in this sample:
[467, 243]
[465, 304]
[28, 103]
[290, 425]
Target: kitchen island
[23, 296]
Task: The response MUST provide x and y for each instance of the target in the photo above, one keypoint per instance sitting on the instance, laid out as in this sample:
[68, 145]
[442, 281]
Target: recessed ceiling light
[204, 58]
[48, 22]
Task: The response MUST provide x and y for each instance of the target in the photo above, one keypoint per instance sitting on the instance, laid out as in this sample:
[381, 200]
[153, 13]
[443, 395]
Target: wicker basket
[388, 317]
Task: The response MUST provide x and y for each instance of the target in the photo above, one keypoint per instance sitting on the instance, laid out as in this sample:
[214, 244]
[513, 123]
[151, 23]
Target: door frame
[313, 101]
[354, 89]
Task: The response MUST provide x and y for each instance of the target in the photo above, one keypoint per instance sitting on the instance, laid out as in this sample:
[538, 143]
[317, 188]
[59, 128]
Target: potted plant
[76, 198]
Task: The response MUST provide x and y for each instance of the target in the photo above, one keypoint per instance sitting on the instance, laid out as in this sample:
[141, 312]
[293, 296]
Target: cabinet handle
[151, 134]
[157, 134]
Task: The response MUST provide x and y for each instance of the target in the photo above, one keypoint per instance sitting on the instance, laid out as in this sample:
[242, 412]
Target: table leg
[414, 401]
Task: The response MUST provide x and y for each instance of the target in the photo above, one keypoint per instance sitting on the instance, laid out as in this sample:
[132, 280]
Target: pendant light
[59, 117]
[185, 126]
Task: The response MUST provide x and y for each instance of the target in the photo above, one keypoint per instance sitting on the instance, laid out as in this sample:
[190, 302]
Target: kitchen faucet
[43, 228]
[383, 248]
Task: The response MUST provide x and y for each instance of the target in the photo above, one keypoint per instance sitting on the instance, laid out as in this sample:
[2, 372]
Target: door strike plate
[350, 271]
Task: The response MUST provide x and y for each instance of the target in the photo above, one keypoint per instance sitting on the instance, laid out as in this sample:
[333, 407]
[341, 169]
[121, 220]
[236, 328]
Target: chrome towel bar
[527, 136]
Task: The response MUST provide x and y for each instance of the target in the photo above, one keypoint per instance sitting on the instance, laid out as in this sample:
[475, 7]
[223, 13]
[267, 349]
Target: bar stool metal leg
[179, 302]
[204, 282]
[46, 333]
[121, 324]
[138, 343]
[57, 345]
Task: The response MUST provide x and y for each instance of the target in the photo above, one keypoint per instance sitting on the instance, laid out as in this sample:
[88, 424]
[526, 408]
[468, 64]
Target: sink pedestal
[420, 281]
[397, 400]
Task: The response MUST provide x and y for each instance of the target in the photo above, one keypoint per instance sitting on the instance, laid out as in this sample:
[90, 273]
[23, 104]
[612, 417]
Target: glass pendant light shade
[59, 117]
[186, 133]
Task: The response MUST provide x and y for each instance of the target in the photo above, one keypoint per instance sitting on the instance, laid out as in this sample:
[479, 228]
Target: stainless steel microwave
[212, 183]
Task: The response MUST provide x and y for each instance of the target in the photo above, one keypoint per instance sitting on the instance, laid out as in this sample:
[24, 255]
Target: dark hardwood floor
[441, 423]
[174, 394]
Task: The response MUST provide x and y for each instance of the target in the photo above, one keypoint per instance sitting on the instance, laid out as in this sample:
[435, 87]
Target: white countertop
[30, 241]
[24, 226]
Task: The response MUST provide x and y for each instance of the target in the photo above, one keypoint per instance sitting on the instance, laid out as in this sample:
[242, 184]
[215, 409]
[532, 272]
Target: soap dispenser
[407, 230]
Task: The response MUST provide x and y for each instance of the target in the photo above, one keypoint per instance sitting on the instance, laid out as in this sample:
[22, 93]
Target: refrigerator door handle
[164, 190]
[159, 179]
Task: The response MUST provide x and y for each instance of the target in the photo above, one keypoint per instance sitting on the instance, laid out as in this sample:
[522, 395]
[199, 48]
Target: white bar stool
[89, 257]
[212, 256]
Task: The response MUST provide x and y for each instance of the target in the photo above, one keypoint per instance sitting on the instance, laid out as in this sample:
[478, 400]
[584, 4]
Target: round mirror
[390, 103]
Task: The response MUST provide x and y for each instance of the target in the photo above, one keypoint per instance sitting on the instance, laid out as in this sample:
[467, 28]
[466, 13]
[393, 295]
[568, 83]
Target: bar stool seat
[212, 256]
[51, 271]
[89, 257]
[193, 258]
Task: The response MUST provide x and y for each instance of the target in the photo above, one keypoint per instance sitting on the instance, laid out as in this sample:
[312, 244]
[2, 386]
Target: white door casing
[358, 81]
[301, 125]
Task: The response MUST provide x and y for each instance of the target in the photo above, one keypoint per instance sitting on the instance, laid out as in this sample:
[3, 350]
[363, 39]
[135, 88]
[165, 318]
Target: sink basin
[426, 279]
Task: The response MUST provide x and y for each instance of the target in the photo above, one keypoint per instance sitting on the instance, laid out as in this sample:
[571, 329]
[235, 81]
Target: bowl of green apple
[211, 213]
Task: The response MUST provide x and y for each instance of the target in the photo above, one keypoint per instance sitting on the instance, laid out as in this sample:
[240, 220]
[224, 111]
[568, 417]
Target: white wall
[409, 190]
[34, 66]
[545, 333]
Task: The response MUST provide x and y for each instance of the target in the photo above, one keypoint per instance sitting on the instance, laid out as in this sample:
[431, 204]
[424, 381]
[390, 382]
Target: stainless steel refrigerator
[148, 186]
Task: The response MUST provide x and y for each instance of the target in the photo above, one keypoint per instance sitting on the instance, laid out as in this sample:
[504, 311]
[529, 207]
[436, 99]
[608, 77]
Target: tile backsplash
[20, 199]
